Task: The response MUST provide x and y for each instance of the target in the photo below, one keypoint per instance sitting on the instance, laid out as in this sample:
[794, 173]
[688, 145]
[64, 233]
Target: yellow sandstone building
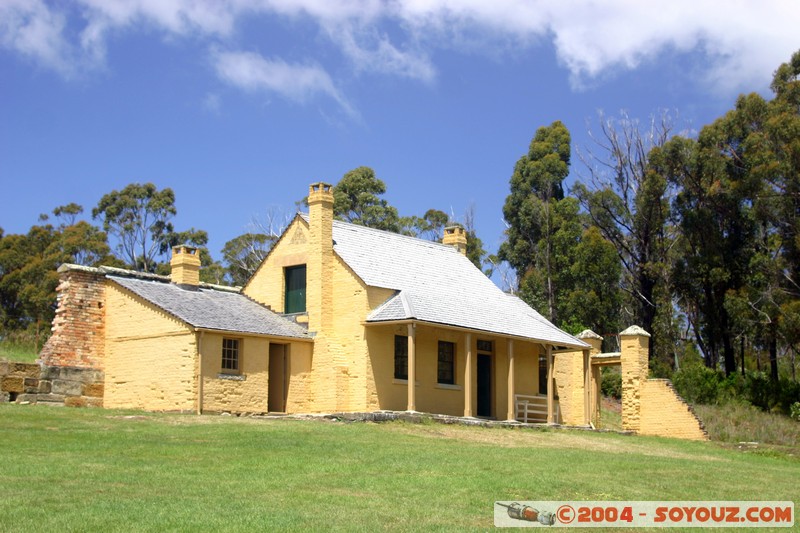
[340, 318]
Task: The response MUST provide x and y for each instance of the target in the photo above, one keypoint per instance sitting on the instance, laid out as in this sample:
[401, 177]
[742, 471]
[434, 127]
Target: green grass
[610, 414]
[20, 352]
[102, 470]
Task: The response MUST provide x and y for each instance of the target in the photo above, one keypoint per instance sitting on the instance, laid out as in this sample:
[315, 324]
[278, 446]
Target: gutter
[248, 334]
[404, 321]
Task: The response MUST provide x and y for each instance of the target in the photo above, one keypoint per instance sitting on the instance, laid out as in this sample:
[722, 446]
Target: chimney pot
[320, 192]
[456, 236]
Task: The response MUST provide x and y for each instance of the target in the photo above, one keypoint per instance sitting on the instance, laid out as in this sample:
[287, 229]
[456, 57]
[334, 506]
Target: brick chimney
[185, 265]
[456, 236]
[319, 287]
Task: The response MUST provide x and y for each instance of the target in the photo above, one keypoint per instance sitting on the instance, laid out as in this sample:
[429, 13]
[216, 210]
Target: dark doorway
[484, 385]
[278, 380]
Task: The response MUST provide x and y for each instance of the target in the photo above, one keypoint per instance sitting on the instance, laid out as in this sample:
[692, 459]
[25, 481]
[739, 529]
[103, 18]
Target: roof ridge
[359, 227]
[408, 307]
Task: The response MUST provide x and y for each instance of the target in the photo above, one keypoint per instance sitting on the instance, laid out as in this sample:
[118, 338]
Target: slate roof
[437, 284]
[212, 309]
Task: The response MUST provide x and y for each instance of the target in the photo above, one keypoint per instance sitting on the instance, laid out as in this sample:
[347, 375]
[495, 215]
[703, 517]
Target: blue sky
[238, 105]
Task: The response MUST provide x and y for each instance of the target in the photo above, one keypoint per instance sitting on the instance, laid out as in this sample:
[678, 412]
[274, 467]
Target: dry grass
[740, 423]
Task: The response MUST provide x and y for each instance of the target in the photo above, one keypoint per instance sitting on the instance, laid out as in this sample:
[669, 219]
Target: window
[542, 374]
[230, 355]
[485, 347]
[400, 357]
[295, 289]
[447, 363]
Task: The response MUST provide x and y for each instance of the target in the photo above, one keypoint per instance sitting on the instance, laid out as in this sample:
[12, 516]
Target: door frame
[278, 375]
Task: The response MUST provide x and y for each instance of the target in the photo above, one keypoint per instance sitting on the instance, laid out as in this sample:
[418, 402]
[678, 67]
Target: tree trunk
[730, 356]
[773, 357]
[742, 353]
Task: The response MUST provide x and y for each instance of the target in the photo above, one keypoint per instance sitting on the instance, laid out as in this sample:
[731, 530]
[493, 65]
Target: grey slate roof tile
[436, 283]
[212, 309]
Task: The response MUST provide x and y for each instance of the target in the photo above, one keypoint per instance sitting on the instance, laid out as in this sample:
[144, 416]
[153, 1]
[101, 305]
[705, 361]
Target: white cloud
[253, 73]
[740, 42]
[371, 51]
[734, 44]
[31, 29]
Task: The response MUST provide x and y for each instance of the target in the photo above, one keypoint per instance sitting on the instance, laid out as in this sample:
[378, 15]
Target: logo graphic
[525, 512]
[634, 514]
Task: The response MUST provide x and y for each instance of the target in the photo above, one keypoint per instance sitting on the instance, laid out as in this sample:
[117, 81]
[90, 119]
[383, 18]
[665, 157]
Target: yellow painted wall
[445, 399]
[352, 303]
[150, 356]
[300, 393]
[226, 392]
[569, 376]
[336, 375]
[652, 406]
[664, 413]
[351, 367]
[634, 368]
[267, 284]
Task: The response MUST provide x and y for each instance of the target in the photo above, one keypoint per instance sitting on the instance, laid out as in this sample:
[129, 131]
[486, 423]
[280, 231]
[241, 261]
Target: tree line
[696, 239]
[135, 231]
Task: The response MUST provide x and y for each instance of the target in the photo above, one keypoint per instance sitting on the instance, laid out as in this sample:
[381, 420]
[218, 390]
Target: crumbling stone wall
[70, 365]
[30, 383]
[78, 327]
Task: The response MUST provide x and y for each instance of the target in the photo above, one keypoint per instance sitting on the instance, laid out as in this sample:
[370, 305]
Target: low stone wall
[30, 383]
[18, 379]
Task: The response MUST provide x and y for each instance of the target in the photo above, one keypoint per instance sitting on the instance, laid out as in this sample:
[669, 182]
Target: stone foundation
[70, 386]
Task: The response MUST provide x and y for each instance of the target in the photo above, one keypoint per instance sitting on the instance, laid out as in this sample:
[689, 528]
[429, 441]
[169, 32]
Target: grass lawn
[18, 352]
[69, 469]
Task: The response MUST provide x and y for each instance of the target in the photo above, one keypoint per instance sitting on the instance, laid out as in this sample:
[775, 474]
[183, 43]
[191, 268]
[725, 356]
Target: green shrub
[795, 411]
[611, 383]
[698, 384]
[778, 396]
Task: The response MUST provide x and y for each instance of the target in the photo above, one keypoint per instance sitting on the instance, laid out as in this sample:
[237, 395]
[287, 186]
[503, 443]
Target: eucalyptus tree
[357, 199]
[532, 217]
[627, 198]
[738, 211]
[139, 217]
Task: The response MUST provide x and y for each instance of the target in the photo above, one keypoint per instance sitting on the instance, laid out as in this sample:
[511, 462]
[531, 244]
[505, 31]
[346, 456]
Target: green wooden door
[295, 289]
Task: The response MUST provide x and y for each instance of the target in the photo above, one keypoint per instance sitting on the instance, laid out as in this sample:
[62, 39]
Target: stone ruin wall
[70, 365]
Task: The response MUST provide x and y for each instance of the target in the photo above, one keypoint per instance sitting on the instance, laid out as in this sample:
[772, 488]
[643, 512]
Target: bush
[770, 395]
[701, 385]
[698, 384]
[795, 411]
[611, 383]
